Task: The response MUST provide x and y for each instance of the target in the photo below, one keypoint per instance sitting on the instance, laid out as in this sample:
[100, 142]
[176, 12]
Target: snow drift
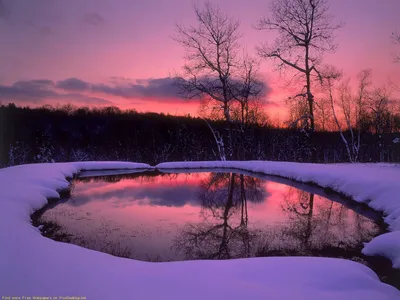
[32, 265]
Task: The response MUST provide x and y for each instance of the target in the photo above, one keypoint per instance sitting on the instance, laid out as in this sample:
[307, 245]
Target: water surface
[184, 216]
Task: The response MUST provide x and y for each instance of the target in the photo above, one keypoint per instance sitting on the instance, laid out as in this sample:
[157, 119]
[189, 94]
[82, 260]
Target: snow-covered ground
[31, 265]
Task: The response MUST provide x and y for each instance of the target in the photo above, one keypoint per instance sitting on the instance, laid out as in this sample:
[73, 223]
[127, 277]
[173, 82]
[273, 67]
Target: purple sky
[110, 44]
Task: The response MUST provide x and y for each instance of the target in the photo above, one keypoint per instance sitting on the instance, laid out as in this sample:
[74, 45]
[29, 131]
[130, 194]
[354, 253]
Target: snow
[97, 173]
[377, 185]
[387, 245]
[32, 265]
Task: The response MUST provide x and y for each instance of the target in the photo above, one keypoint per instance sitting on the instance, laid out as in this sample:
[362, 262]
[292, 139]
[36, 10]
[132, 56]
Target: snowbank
[31, 265]
[377, 185]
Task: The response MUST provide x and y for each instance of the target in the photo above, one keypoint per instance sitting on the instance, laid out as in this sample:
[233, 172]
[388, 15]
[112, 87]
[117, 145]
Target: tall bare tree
[247, 88]
[363, 91]
[324, 115]
[332, 78]
[305, 32]
[396, 40]
[381, 115]
[215, 69]
[396, 58]
[353, 107]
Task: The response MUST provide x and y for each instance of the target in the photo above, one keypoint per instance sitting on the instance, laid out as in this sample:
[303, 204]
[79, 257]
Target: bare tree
[324, 114]
[305, 32]
[247, 89]
[352, 107]
[219, 141]
[379, 105]
[211, 55]
[298, 114]
[396, 40]
[216, 71]
[364, 83]
[396, 58]
[332, 77]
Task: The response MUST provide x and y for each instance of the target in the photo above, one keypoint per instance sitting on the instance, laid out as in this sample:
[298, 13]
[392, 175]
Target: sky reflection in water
[204, 216]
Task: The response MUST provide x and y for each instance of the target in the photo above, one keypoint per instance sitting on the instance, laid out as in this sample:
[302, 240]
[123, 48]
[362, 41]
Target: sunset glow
[115, 46]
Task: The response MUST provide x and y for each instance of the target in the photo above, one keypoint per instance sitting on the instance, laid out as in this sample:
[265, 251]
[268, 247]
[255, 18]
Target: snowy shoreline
[32, 265]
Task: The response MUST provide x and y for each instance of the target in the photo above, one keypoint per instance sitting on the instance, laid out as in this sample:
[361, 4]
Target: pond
[159, 217]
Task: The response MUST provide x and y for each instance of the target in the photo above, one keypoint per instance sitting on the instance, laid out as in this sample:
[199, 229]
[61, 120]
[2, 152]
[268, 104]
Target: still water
[184, 216]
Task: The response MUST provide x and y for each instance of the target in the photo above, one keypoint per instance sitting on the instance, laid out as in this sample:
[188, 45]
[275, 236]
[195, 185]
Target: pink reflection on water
[203, 215]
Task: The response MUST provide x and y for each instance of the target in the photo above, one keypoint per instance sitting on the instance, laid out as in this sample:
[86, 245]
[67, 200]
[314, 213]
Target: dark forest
[47, 134]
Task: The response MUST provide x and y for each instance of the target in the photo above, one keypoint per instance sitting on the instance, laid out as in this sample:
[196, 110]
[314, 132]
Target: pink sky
[119, 42]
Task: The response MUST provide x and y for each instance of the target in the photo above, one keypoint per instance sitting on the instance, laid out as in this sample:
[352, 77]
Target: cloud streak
[44, 91]
[82, 92]
[73, 84]
[142, 88]
[94, 19]
[159, 88]
[78, 91]
[152, 88]
[161, 195]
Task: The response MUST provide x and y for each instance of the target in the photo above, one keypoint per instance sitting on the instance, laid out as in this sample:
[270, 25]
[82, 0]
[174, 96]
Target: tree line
[67, 133]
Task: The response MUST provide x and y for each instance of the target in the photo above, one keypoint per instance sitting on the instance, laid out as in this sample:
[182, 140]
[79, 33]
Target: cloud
[28, 91]
[73, 84]
[45, 30]
[160, 195]
[83, 99]
[159, 88]
[94, 19]
[44, 91]
[77, 90]
[142, 88]
[120, 80]
[34, 84]
[3, 10]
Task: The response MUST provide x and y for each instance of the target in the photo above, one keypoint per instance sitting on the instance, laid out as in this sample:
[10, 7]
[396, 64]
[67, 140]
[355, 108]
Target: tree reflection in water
[322, 226]
[312, 225]
[224, 233]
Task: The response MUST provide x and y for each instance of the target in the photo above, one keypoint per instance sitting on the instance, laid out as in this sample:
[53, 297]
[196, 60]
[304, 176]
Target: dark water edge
[380, 265]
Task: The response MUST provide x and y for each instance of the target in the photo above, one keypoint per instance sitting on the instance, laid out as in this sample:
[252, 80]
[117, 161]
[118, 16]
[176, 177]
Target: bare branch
[214, 68]
[304, 117]
[305, 32]
[211, 55]
[396, 40]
